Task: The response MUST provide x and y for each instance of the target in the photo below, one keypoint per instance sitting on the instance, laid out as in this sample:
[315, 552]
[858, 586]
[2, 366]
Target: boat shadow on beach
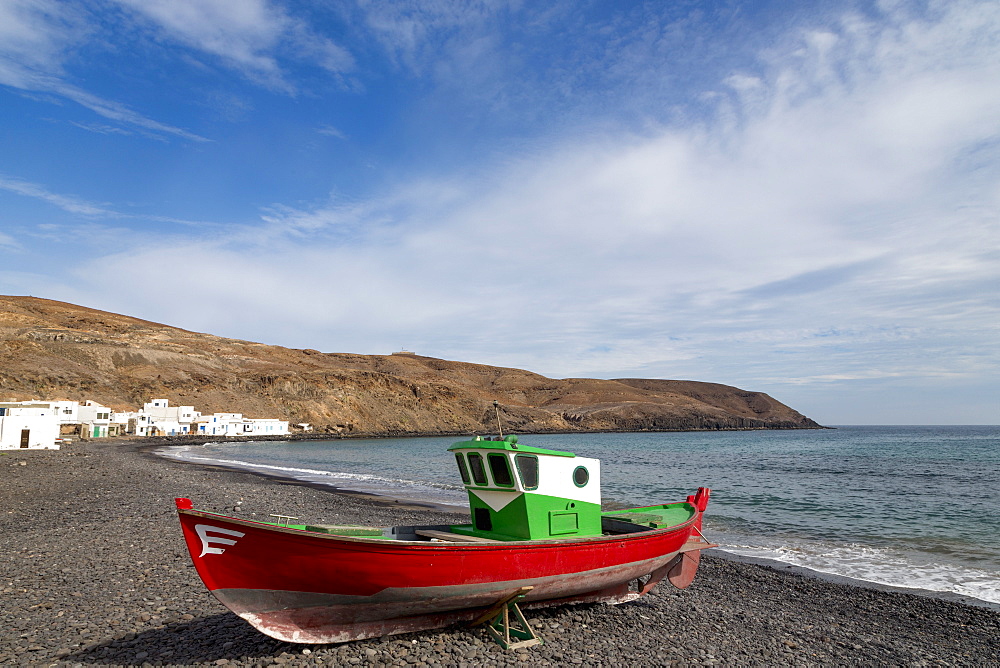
[201, 640]
[225, 637]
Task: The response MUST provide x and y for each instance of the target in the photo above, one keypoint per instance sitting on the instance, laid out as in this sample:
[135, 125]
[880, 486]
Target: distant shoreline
[197, 439]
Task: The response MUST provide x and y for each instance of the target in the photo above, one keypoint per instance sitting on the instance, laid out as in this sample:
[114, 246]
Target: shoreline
[98, 574]
[190, 439]
[152, 448]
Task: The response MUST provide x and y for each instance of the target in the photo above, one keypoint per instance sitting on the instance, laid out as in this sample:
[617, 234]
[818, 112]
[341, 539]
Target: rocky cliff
[54, 350]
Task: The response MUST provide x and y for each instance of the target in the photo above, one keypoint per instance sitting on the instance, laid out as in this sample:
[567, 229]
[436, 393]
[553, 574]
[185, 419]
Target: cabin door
[25, 435]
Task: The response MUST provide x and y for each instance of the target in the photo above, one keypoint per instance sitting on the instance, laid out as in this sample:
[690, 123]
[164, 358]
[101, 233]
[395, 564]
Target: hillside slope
[55, 350]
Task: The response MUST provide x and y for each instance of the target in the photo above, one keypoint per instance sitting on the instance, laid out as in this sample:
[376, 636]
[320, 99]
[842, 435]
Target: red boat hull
[306, 587]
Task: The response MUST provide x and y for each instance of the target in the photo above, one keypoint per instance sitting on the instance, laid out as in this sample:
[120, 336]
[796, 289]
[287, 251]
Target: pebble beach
[94, 572]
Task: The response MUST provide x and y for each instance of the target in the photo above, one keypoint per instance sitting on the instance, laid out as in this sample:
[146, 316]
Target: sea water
[912, 507]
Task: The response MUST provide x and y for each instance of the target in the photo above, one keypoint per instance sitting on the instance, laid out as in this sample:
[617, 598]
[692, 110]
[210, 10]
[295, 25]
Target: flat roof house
[32, 427]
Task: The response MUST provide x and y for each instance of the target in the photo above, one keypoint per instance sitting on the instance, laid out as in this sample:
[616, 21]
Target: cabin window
[478, 470]
[462, 468]
[581, 476]
[500, 468]
[527, 468]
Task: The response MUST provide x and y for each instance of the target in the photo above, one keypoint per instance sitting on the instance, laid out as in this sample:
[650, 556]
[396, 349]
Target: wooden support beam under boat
[498, 621]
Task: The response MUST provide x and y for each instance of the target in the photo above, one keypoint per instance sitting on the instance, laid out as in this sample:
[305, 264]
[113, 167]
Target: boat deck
[616, 522]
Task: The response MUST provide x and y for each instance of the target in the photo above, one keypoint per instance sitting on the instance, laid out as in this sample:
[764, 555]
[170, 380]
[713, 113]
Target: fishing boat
[537, 536]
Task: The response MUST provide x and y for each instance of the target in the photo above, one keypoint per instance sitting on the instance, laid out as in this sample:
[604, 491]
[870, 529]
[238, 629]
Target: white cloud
[36, 37]
[101, 129]
[113, 110]
[65, 202]
[243, 32]
[409, 30]
[247, 35]
[33, 37]
[686, 209]
[330, 131]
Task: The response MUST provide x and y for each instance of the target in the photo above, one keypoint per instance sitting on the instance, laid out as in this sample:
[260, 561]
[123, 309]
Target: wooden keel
[681, 571]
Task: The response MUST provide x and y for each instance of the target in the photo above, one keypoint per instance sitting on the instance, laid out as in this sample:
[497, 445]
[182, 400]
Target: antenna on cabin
[496, 407]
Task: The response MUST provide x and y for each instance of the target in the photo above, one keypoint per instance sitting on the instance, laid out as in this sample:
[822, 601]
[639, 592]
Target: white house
[33, 420]
[33, 426]
[264, 427]
[234, 424]
[94, 419]
[218, 424]
[67, 412]
[159, 418]
[123, 422]
[134, 422]
[160, 409]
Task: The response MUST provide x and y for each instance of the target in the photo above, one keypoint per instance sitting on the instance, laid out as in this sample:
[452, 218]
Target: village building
[28, 425]
[234, 424]
[94, 420]
[66, 412]
[264, 427]
[34, 420]
[159, 418]
[87, 420]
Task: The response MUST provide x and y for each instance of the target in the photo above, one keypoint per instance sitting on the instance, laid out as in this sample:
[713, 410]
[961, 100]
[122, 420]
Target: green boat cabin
[519, 492]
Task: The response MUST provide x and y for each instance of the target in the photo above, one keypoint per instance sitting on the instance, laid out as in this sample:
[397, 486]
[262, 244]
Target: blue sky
[797, 198]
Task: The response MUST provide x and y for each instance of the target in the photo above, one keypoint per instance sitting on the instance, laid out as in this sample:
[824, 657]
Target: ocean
[910, 507]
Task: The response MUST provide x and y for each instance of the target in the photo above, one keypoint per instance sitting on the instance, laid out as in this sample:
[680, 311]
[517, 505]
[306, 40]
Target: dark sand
[94, 571]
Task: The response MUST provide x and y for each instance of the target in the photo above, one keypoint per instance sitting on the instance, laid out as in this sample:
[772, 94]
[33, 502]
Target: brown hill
[54, 350]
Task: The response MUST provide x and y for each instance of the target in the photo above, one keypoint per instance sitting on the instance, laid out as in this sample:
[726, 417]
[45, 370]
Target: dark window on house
[462, 468]
[527, 468]
[478, 470]
[500, 469]
[581, 476]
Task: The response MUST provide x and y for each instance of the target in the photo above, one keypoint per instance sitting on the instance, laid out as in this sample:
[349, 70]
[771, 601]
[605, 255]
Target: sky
[796, 198]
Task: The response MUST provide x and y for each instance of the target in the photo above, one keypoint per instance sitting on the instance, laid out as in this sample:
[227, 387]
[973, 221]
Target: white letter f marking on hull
[206, 540]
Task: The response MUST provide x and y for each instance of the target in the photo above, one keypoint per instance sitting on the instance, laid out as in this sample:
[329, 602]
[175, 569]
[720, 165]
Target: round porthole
[581, 476]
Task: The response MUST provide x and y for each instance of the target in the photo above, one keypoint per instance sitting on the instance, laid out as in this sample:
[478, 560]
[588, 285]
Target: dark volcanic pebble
[94, 571]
